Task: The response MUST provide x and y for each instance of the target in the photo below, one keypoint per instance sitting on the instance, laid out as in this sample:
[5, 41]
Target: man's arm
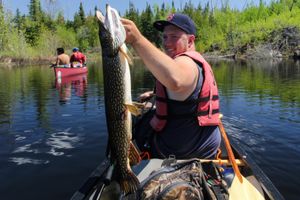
[146, 96]
[57, 61]
[175, 74]
[178, 74]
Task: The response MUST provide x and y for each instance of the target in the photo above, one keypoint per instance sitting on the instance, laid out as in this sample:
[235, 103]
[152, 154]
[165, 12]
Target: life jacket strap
[206, 112]
[185, 115]
[192, 101]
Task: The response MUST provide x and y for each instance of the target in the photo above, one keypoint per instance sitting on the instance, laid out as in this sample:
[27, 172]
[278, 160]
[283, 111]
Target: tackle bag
[181, 180]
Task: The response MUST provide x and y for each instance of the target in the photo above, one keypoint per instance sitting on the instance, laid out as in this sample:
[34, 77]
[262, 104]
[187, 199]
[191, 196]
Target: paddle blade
[245, 190]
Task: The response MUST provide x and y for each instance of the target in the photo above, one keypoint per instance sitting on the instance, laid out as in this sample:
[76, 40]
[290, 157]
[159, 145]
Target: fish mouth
[111, 23]
[100, 16]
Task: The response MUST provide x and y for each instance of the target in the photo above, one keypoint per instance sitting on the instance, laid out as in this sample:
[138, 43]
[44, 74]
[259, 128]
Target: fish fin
[124, 51]
[134, 155]
[138, 104]
[133, 109]
[130, 183]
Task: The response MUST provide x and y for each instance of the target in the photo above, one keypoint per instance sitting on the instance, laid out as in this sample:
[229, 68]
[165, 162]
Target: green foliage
[77, 21]
[60, 19]
[91, 33]
[81, 37]
[218, 28]
[132, 13]
[146, 21]
[32, 32]
[79, 18]
[18, 46]
[4, 31]
[18, 20]
[65, 38]
[35, 11]
[81, 13]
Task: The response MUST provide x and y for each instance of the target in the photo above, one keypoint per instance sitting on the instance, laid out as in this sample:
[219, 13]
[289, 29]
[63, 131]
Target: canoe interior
[93, 186]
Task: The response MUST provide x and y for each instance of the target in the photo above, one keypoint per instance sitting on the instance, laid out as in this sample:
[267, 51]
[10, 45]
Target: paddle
[240, 188]
[230, 152]
[52, 65]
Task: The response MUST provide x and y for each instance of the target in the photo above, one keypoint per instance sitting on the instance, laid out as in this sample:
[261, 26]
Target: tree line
[219, 28]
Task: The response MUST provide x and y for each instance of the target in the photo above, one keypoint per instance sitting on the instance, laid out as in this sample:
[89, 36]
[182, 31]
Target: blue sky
[69, 7]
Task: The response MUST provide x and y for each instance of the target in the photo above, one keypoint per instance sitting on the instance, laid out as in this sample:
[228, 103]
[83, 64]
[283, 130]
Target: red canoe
[63, 71]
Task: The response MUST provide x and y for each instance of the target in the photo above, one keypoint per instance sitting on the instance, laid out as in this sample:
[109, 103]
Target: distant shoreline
[255, 53]
[11, 61]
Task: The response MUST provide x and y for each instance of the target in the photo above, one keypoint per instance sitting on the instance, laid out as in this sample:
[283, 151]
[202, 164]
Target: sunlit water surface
[53, 134]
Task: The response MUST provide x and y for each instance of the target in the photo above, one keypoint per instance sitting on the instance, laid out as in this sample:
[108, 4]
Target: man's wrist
[137, 42]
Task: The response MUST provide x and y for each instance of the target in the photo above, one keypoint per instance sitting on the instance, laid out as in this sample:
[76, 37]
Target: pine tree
[60, 18]
[79, 18]
[146, 24]
[3, 28]
[81, 13]
[132, 14]
[157, 36]
[35, 11]
[18, 20]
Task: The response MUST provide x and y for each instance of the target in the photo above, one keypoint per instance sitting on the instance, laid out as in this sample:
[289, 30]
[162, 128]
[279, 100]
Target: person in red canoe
[62, 59]
[77, 59]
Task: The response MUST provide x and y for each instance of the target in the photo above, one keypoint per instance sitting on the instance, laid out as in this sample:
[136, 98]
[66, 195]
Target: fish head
[112, 33]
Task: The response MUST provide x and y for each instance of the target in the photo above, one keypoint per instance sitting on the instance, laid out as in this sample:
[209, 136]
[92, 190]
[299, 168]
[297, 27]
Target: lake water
[53, 134]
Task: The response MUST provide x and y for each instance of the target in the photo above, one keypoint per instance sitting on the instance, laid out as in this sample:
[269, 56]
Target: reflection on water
[58, 127]
[66, 84]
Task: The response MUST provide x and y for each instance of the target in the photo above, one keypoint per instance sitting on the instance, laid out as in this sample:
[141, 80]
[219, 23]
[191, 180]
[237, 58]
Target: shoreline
[258, 53]
[12, 61]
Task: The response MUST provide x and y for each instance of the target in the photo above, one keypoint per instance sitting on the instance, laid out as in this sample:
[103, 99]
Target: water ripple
[22, 161]
[56, 144]
[61, 141]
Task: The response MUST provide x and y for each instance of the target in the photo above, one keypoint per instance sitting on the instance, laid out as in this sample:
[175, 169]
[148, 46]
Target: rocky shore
[10, 61]
[284, 43]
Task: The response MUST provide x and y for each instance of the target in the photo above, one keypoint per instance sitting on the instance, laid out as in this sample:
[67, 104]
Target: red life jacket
[208, 99]
[78, 57]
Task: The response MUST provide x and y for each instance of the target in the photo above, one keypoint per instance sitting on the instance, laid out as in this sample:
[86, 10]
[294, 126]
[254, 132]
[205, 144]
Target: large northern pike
[117, 93]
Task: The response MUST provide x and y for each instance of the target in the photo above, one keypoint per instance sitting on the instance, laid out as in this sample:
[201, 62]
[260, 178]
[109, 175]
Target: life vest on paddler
[208, 100]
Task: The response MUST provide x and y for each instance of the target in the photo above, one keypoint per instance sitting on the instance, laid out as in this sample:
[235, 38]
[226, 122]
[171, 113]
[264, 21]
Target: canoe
[255, 181]
[68, 71]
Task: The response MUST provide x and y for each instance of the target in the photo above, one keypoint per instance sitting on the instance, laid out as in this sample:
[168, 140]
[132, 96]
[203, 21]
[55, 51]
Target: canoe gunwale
[64, 72]
[93, 180]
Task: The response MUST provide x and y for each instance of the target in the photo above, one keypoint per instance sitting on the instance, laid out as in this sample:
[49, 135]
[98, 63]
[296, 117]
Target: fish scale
[117, 93]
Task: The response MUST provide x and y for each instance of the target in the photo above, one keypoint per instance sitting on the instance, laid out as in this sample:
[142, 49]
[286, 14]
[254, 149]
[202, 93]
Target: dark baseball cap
[179, 20]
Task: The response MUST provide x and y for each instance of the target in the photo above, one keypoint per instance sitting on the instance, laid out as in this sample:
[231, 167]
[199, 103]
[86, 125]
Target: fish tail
[130, 183]
[134, 154]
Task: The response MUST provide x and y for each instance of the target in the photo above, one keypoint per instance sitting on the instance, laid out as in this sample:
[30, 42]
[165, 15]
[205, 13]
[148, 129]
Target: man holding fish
[185, 123]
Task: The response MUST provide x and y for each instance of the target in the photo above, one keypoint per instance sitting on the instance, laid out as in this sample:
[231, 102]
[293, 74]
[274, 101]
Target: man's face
[175, 41]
